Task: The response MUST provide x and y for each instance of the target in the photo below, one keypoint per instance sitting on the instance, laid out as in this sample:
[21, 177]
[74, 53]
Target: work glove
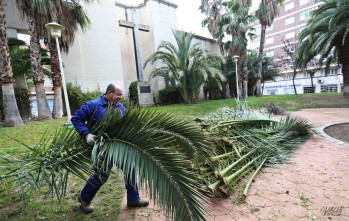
[90, 139]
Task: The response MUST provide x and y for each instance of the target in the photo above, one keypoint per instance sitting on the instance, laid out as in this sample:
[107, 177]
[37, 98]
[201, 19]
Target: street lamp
[56, 32]
[236, 58]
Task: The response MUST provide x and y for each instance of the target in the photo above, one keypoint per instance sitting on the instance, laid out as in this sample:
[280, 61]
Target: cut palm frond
[142, 139]
[244, 141]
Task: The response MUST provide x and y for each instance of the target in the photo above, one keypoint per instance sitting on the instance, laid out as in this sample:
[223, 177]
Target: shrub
[170, 95]
[133, 93]
[77, 97]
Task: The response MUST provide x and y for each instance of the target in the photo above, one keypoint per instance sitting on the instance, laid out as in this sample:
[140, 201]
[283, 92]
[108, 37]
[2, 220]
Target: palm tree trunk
[343, 55]
[226, 89]
[36, 68]
[260, 61]
[57, 111]
[12, 116]
[245, 75]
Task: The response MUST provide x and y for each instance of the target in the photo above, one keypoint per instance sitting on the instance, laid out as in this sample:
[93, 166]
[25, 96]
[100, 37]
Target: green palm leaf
[155, 143]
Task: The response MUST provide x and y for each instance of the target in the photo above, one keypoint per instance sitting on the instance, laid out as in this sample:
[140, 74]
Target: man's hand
[90, 139]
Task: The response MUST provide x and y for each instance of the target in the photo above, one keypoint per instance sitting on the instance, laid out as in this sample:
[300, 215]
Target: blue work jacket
[98, 109]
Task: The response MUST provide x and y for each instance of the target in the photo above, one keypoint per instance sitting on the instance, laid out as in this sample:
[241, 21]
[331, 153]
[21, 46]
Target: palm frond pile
[174, 159]
[244, 140]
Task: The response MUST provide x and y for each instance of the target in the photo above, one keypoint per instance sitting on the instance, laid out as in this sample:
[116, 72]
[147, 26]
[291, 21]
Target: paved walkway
[313, 186]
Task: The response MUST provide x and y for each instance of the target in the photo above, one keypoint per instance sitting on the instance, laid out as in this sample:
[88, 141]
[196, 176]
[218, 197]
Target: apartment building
[292, 19]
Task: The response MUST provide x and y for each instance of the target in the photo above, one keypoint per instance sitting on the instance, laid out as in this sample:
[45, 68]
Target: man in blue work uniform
[98, 109]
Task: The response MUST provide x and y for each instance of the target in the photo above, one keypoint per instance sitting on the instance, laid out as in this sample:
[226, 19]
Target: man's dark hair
[111, 88]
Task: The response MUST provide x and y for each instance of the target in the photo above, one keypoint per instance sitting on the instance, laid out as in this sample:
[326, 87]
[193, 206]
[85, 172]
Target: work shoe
[86, 207]
[139, 203]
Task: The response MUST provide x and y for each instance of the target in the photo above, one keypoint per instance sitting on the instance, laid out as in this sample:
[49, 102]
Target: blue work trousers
[95, 182]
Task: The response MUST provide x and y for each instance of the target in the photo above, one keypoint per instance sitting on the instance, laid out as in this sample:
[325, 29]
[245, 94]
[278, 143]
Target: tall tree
[266, 13]
[288, 60]
[12, 116]
[186, 65]
[326, 34]
[72, 16]
[34, 10]
[235, 23]
[212, 10]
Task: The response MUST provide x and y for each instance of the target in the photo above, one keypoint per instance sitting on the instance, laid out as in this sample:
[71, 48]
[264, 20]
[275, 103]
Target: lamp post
[56, 32]
[236, 59]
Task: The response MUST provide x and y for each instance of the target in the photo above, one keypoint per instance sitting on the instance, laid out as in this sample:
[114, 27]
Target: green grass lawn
[109, 197]
[287, 102]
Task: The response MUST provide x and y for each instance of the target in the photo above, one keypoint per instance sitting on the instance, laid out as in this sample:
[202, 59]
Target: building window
[306, 75]
[269, 28]
[333, 71]
[289, 35]
[303, 15]
[289, 21]
[269, 41]
[289, 90]
[289, 6]
[271, 92]
[303, 2]
[269, 54]
[329, 88]
[321, 72]
[287, 76]
[308, 90]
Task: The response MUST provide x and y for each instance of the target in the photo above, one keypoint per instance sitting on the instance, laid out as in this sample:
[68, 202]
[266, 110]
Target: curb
[321, 131]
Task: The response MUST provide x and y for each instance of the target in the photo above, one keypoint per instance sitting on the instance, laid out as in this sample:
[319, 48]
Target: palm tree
[32, 11]
[186, 65]
[213, 10]
[326, 34]
[72, 16]
[266, 13]
[236, 23]
[12, 116]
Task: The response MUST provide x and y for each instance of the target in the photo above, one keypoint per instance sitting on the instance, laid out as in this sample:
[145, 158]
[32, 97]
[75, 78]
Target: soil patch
[339, 131]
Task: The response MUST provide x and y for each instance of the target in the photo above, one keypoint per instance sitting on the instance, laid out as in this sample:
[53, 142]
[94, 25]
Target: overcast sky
[189, 17]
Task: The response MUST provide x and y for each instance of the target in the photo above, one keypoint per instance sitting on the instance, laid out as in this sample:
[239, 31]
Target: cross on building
[136, 40]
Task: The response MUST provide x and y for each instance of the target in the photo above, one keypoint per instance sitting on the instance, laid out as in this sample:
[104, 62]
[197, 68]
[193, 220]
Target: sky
[189, 17]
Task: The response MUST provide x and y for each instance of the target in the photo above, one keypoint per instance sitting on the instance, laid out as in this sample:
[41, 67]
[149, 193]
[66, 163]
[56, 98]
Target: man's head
[113, 93]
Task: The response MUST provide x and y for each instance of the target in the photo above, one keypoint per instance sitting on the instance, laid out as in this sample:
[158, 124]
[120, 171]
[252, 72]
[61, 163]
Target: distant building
[292, 18]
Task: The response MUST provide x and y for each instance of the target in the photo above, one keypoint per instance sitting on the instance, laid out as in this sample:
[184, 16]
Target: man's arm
[83, 114]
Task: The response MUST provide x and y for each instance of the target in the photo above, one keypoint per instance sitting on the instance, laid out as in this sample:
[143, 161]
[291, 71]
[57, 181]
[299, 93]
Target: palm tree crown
[186, 65]
[326, 34]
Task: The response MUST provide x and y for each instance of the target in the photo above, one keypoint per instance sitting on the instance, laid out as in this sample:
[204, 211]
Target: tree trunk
[244, 75]
[12, 116]
[343, 56]
[260, 61]
[57, 110]
[345, 71]
[36, 68]
[294, 85]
